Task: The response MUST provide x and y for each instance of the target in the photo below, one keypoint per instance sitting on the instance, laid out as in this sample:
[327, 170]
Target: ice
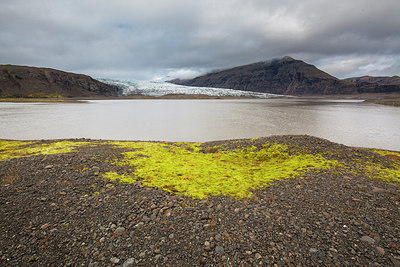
[156, 88]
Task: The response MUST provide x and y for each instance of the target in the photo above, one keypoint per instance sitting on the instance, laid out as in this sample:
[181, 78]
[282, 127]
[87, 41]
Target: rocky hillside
[22, 81]
[286, 76]
[386, 80]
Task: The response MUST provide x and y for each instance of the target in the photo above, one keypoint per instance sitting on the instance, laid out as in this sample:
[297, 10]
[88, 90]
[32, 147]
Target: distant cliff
[285, 76]
[22, 81]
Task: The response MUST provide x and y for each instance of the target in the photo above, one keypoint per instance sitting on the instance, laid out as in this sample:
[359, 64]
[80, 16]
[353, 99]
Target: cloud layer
[183, 38]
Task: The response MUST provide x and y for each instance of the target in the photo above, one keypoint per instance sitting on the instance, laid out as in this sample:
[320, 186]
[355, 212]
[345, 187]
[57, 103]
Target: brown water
[348, 122]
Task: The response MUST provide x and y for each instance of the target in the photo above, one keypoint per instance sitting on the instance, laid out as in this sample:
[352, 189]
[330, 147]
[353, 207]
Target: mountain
[285, 76]
[383, 80]
[23, 81]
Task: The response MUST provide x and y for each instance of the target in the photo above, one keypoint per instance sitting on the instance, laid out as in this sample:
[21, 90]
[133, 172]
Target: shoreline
[70, 201]
[391, 99]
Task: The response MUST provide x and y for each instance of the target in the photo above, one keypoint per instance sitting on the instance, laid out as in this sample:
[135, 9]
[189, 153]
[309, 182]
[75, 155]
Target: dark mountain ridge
[286, 76]
[386, 80]
[24, 81]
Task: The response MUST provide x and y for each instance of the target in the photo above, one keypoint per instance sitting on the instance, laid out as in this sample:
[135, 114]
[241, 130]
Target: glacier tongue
[155, 88]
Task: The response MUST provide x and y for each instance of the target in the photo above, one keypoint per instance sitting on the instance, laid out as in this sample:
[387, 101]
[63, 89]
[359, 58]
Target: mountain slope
[23, 81]
[384, 80]
[286, 76]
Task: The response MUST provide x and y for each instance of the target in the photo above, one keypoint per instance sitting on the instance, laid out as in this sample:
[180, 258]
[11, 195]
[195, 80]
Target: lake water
[348, 122]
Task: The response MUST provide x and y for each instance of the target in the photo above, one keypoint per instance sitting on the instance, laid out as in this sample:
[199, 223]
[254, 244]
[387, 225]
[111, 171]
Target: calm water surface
[348, 122]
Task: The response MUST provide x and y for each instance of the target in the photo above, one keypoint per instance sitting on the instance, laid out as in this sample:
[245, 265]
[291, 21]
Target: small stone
[157, 257]
[49, 166]
[44, 226]
[218, 237]
[219, 250]
[142, 254]
[102, 239]
[140, 224]
[237, 210]
[368, 239]
[380, 250]
[378, 190]
[114, 260]
[129, 262]
[258, 256]
[119, 231]
[171, 236]
[313, 250]
[207, 244]
[146, 219]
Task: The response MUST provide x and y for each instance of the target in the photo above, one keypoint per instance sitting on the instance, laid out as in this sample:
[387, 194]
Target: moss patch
[18, 149]
[228, 168]
[184, 168]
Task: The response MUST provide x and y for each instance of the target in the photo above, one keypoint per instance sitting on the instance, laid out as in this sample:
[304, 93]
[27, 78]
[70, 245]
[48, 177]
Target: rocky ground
[58, 210]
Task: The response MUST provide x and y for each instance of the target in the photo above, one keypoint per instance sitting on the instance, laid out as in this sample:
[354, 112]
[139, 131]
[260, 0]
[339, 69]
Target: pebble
[380, 250]
[119, 231]
[220, 250]
[368, 239]
[142, 254]
[129, 262]
[140, 224]
[114, 260]
[218, 237]
[146, 219]
[313, 250]
[157, 257]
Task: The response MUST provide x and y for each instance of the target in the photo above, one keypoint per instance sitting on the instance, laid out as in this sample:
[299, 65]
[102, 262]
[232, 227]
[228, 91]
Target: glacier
[158, 88]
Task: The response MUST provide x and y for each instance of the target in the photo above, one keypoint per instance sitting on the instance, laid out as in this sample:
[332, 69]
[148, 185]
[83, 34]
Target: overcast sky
[149, 39]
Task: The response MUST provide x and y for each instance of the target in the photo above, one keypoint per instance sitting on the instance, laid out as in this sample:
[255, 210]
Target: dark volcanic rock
[67, 216]
[369, 84]
[22, 81]
[283, 76]
[394, 80]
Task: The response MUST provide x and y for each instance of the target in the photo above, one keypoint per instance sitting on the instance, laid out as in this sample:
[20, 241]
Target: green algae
[18, 149]
[183, 167]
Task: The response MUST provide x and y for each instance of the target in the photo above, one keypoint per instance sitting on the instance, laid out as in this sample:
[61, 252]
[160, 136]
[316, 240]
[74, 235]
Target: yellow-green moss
[183, 168]
[18, 149]
[44, 95]
[376, 170]
[385, 152]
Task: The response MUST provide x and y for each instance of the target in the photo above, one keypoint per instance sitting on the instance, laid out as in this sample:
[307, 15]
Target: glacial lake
[349, 122]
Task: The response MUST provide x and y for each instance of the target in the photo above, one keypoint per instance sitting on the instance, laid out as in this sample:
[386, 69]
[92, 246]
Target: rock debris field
[90, 205]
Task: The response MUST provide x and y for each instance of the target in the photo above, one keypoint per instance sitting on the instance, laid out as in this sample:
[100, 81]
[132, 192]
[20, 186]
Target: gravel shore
[58, 210]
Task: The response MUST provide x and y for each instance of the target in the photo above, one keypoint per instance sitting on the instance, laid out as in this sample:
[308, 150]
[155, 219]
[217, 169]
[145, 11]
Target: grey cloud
[151, 39]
